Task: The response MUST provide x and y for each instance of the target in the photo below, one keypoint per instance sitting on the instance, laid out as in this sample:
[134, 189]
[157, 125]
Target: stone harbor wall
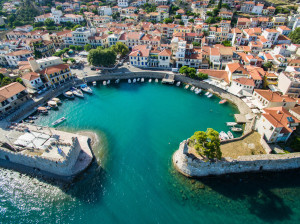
[191, 166]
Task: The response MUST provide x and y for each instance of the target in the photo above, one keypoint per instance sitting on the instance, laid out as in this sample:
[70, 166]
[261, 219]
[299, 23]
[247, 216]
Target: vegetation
[295, 144]
[211, 20]
[188, 71]
[267, 65]
[87, 47]
[226, 43]
[197, 44]
[168, 20]
[202, 76]
[120, 49]
[6, 80]
[295, 36]
[102, 57]
[207, 143]
[149, 7]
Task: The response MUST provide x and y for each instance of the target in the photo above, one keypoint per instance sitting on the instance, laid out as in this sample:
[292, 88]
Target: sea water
[132, 179]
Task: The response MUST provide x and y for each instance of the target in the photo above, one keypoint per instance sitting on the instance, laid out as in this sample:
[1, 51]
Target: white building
[242, 87]
[289, 84]
[123, 3]
[164, 58]
[32, 81]
[58, 17]
[13, 58]
[271, 35]
[104, 11]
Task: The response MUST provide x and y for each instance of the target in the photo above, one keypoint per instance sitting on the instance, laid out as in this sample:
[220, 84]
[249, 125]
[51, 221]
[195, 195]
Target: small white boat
[193, 87]
[198, 91]
[129, 80]
[235, 129]
[52, 104]
[108, 82]
[134, 80]
[142, 80]
[210, 95]
[230, 135]
[59, 121]
[187, 86]
[69, 95]
[42, 110]
[231, 123]
[178, 84]
[57, 100]
[94, 83]
[77, 92]
[207, 93]
[117, 81]
[223, 136]
[150, 80]
[138, 79]
[85, 88]
[156, 80]
[104, 83]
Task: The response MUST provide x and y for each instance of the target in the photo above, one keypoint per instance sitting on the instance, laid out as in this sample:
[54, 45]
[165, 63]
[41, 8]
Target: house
[139, 56]
[271, 35]
[123, 3]
[32, 81]
[236, 70]
[12, 96]
[242, 86]
[289, 84]
[270, 79]
[276, 124]
[284, 30]
[13, 58]
[263, 98]
[243, 23]
[164, 58]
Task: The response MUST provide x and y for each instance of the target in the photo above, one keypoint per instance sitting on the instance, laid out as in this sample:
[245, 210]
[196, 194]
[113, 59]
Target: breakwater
[191, 166]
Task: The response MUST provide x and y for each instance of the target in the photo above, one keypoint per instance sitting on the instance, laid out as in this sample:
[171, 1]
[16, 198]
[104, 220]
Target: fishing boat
[142, 80]
[223, 136]
[52, 104]
[156, 80]
[222, 101]
[69, 95]
[85, 88]
[129, 80]
[108, 82]
[236, 129]
[57, 100]
[59, 121]
[187, 86]
[138, 79]
[77, 92]
[42, 110]
[150, 80]
[210, 95]
[178, 84]
[230, 135]
[198, 91]
[207, 93]
[94, 83]
[231, 123]
[134, 80]
[104, 83]
[193, 87]
[117, 81]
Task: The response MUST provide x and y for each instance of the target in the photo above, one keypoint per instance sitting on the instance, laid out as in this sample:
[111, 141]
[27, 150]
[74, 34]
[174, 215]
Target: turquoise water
[140, 126]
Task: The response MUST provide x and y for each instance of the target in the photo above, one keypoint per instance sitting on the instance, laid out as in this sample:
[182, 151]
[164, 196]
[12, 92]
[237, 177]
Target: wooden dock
[168, 78]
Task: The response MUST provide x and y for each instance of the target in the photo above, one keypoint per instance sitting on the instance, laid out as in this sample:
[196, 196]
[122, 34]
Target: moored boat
[129, 80]
[210, 95]
[193, 87]
[94, 83]
[85, 88]
[231, 123]
[142, 80]
[222, 101]
[223, 136]
[198, 91]
[104, 83]
[69, 95]
[108, 82]
[42, 110]
[138, 79]
[178, 83]
[207, 93]
[52, 104]
[59, 121]
[77, 92]
[150, 80]
[236, 129]
[156, 80]
[57, 100]
[134, 80]
[230, 135]
[117, 81]
[187, 86]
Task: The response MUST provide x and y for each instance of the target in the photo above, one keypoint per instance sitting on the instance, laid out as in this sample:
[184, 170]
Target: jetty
[168, 79]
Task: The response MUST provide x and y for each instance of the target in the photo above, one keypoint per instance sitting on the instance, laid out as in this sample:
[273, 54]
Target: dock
[168, 78]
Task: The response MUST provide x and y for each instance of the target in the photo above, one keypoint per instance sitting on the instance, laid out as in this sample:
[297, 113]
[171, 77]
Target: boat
[235, 129]
[85, 88]
[207, 93]
[230, 135]
[57, 100]
[69, 95]
[117, 81]
[223, 136]
[32, 118]
[198, 91]
[187, 86]
[59, 121]
[42, 110]
[142, 80]
[231, 123]
[222, 101]
[108, 82]
[77, 92]
[52, 104]
[178, 84]
[138, 79]
[193, 87]
[94, 83]
[156, 80]
[150, 80]
[134, 80]
[129, 80]
[210, 95]
[104, 83]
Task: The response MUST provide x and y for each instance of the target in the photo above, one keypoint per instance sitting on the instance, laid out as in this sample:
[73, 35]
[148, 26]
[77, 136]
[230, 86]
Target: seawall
[190, 166]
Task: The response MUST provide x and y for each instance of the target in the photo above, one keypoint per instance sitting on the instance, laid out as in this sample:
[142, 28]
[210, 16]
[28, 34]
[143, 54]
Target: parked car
[93, 68]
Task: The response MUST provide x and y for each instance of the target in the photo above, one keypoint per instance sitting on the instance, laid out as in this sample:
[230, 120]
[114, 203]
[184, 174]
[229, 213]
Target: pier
[168, 78]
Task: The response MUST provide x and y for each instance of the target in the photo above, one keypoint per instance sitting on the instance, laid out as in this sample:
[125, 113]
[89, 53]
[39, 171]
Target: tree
[208, 13]
[191, 20]
[73, 47]
[267, 65]
[72, 60]
[102, 57]
[220, 4]
[207, 143]
[202, 76]
[75, 27]
[181, 23]
[120, 48]
[211, 20]
[116, 15]
[65, 60]
[226, 43]
[59, 7]
[19, 80]
[197, 44]
[49, 22]
[295, 36]
[87, 47]
[177, 17]
[190, 72]
[78, 48]
[168, 20]
[37, 54]
[5, 81]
